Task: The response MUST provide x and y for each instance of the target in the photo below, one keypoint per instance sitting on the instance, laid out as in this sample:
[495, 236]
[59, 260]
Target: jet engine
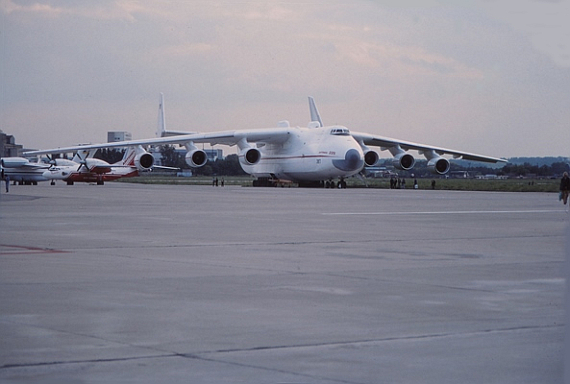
[438, 165]
[196, 158]
[370, 158]
[403, 161]
[144, 161]
[250, 156]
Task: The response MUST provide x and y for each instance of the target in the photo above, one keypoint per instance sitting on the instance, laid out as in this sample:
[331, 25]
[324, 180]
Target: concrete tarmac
[157, 283]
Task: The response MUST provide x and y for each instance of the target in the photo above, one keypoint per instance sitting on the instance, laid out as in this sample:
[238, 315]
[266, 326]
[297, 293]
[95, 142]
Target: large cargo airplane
[311, 156]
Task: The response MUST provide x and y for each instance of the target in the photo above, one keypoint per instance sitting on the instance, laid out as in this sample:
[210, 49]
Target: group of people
[400, 183]
[397, 183]
[216, 182]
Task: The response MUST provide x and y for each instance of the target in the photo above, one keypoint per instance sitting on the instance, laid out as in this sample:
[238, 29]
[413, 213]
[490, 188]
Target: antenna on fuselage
[314, 111]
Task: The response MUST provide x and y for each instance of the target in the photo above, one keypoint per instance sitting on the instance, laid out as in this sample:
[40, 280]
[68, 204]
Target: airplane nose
[352, 161]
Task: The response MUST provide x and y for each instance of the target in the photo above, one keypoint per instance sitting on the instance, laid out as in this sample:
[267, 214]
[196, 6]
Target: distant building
[8, 146]
[113, 136]
[491, 176]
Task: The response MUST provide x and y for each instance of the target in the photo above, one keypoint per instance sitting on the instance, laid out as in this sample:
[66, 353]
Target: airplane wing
[231, 138]
[387, 143]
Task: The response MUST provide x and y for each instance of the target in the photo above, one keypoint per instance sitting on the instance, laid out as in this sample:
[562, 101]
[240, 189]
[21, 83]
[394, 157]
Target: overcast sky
[491, 77]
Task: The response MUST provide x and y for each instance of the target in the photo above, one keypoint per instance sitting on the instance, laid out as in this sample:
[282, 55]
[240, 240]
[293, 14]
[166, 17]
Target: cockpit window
[340, 131]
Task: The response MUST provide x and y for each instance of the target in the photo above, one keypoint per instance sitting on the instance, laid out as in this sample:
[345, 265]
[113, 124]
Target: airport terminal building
[8, 146]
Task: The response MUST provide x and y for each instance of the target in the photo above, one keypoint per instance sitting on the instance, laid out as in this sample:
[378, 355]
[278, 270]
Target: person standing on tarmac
[565, 187]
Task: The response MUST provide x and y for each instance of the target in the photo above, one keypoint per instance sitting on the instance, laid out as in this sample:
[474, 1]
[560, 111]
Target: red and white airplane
[312, 156]
[85, 168]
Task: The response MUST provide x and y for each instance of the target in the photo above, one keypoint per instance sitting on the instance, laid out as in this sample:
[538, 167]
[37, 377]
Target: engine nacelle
[196, 158]
[14, 162]
[404, 161]
[370, 158]
[438, 165]
[144, 161]
[250, 156]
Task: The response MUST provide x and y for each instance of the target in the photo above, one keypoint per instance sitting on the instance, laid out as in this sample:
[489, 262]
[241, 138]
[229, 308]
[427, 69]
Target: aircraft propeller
[82, 162]
[52, 161]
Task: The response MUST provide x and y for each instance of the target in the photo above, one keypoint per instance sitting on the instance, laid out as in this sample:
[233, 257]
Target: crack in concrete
[203, 355]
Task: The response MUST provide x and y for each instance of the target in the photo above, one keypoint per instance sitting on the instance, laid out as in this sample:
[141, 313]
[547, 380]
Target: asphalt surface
[147, 284]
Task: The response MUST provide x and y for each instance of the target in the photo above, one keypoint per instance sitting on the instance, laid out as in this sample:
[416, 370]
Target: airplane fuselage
[310, 154]
[25, 175]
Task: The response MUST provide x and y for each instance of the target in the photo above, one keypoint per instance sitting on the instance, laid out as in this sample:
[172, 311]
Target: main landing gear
[274, 182]
[328, 184]
[331, 184]
[267, 182]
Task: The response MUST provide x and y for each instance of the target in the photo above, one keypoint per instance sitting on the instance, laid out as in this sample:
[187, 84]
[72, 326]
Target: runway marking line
[439, 212]
[7, 249]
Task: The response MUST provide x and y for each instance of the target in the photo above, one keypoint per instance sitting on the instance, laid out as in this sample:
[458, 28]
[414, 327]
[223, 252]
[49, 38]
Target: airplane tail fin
[137, 157]
[315, 116]
[161, 128]
[128, 157]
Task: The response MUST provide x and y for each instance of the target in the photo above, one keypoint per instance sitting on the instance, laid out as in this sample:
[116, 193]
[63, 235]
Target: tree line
[526, 169]
[171, 158]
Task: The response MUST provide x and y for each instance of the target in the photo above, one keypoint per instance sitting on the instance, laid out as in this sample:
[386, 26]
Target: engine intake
[370, 158]
[144, 161]
[196, 158]
[404, 161]
[250, 156]
[438, 165]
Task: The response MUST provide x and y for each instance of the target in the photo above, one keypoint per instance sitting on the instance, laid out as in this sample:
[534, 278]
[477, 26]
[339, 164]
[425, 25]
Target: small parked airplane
[312, 156]
[85, 168]
[21, 170]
